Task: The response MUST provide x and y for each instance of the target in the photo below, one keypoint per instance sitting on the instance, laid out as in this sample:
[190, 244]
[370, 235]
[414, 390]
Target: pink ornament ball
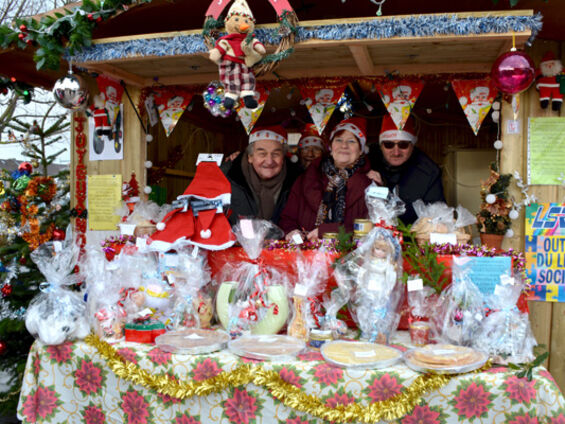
[513, 72]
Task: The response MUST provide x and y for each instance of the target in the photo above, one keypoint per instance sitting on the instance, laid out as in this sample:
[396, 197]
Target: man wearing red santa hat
[261, 177]
[310, 146]
[397, 162]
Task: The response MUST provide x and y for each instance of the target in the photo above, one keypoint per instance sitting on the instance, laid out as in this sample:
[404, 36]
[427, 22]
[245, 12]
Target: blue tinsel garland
[413, 26]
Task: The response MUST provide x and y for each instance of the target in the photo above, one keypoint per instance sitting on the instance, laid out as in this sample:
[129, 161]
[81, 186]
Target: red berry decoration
[99, 19]
[6, 290]
[90, 16]
[25, 167]
[29, 42]
[3, 347]
[21, 36]
[22, 260]
[58, 234]
[23, 27]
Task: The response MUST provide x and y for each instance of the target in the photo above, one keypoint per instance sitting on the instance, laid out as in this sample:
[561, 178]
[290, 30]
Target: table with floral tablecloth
[79, 383]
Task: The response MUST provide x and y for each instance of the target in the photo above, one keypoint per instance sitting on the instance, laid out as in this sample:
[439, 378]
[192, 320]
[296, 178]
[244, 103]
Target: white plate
[192, 341]
[481, 359]
[362, 355]
[272, 347]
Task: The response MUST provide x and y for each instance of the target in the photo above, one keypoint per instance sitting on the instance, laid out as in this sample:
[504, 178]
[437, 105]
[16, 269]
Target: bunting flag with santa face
[475, 97]
[218, 6]
[249, 117]
[171, 105]
[321, 102]
[399, 98]
[111, 91]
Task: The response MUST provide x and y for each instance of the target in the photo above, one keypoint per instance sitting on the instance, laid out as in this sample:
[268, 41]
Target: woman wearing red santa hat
[399, 163]
[331, 192]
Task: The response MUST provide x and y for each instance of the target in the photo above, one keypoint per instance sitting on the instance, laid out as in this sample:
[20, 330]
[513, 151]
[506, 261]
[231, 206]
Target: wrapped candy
[310, 277]
[252, 296]
[421, 303]
[369, 277]
[460, 310]
[332, 305]
[505, 333]
[439, 218]
[57, 314]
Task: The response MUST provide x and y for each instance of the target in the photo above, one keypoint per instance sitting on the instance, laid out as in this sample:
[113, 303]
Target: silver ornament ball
[71, 92]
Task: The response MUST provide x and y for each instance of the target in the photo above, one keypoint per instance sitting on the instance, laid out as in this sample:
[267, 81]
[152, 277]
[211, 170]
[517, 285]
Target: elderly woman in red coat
[331, 191]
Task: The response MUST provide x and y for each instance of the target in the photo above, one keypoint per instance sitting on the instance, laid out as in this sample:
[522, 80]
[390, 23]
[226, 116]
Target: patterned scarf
[332, 206]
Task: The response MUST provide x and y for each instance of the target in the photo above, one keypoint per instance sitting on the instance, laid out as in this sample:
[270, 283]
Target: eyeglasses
[402, 145]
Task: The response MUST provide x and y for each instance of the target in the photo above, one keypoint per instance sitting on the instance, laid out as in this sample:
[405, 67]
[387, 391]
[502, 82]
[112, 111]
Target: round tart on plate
[360, 354]
[193, 341]
[445, 358]
[269, 347]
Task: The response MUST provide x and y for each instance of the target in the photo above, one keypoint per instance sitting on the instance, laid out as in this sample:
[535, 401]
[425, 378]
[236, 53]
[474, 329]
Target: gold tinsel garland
[291, 396]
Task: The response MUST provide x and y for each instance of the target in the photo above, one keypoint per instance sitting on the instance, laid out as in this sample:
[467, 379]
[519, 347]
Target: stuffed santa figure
[236, 53]
[98, 111]
[548, 83]
[198, 217]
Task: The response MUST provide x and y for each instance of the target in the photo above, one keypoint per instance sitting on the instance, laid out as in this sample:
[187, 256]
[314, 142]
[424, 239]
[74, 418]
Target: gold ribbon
[291, 396]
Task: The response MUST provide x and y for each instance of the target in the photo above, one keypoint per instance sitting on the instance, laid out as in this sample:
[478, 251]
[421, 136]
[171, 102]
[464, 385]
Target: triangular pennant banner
[475, 97]
[111, 91]
[171, 105]
[248, 116]
[321, 103]
[281, 6]
[399, 98]
[216, 8]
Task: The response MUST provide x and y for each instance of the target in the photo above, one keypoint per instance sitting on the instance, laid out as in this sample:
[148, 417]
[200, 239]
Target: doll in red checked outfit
[236, 53]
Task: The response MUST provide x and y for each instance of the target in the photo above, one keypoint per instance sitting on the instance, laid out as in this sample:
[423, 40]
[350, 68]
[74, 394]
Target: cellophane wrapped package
[505, 334]
[57, 314]
[460, 312]
[421, 303]
[437, 217]
[311, 275]
[370, 276]
[252, 296]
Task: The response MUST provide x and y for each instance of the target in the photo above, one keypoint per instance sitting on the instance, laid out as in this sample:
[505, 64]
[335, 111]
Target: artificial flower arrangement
[494, 215]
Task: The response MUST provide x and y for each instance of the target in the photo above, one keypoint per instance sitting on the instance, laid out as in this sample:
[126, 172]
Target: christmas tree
[34, 209]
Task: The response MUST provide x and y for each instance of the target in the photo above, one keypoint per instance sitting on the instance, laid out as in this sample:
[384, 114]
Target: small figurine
[548, 83]
[236, 53]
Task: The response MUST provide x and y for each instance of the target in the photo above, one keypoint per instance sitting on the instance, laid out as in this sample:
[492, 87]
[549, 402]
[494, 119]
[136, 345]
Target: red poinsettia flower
[422, 415]
[325, 374]
[524, 419]
[88, 377]
[60, 353]
[241, 408]
[559, 419]
[128, 354]
[520, 389]
[36, 364]
[290, 376]
[383, 387]
[135, 407]
[206, 369]
[166, 398]
[472, 401]
[93, 415]
[159, 356]
[186, 419]
[293, 419]
[339, 398]
[40, 405]
[311, 356]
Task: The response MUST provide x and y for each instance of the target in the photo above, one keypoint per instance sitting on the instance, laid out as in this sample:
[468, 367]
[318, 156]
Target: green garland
[23, 90]
[71, 30]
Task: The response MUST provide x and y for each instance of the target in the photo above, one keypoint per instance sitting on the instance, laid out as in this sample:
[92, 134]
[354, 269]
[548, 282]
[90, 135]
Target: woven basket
[144, 230]
[261, 68]
[463, 236]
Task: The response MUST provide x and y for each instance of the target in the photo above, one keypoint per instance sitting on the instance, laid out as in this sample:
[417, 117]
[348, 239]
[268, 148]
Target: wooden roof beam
[120, 74]
[363, 59]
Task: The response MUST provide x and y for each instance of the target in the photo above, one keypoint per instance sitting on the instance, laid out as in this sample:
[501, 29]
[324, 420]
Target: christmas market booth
[154, 308]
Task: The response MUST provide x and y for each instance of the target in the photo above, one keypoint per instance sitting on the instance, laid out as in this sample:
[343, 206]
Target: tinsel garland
[291, 396]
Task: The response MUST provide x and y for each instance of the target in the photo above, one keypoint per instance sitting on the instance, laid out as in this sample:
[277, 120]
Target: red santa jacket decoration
[548, 82]
[97, 110]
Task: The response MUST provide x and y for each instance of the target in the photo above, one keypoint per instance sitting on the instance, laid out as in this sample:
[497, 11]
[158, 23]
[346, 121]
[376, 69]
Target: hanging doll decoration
[236, 53]
[548, 82]
[102, 125]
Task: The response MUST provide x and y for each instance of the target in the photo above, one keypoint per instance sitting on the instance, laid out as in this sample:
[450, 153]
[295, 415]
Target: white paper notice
[441, 238]
[416, 284]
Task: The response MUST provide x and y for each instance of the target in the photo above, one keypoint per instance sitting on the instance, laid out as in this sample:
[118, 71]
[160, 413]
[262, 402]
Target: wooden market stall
[160, 44]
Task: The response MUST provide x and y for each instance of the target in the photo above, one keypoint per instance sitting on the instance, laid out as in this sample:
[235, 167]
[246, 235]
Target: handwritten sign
[104, 197]
[546, 150]
[483, 271]
[545, 251]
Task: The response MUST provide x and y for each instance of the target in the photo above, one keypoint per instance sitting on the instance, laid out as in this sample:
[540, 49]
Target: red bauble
[25, 167]
[513, 72]
[58, 234]
[6, 290]
[3, 347]
[22, 260]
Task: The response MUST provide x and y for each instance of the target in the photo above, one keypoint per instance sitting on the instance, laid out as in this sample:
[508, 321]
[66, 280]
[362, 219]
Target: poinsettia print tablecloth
[72, 383]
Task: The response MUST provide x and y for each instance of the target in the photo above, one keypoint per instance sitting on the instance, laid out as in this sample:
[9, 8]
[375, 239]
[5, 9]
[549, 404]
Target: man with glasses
[397, 162]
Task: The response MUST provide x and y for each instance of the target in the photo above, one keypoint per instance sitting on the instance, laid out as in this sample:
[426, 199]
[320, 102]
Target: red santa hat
[202, 223]
[274, 132]
[130, 190]
[311, 138]
[389, 131]
[548, 57]
[357, 126]
[240, 8]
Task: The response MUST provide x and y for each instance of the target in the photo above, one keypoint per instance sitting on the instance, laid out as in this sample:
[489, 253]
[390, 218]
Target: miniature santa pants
[237, 78]
[549, 89]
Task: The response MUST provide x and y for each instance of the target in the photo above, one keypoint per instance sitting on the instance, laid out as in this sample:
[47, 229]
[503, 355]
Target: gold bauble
[34, 163]
[2, 190]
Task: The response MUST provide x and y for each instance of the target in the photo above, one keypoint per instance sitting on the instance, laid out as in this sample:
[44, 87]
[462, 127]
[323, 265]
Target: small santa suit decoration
[548, 82]
[390, 132]
[101, 118]
[198, 217]
[356, 126]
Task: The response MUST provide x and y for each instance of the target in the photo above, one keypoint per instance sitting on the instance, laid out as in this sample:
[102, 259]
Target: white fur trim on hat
[206, 234]
[266, 135]
[352, 128]
[241, 8]
[392, 135]
[161, 226]
[312, 141]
